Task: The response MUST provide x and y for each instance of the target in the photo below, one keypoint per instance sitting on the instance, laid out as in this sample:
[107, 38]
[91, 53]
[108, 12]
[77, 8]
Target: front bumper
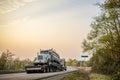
[32, 68]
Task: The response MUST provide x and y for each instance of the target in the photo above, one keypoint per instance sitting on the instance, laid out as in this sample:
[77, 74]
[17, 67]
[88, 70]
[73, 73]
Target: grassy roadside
[11, 71]
[76, 76]
[86, 74]
[79, 75]
[95, 76]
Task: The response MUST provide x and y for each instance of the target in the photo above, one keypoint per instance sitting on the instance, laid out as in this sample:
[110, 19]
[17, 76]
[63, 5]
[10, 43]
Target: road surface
[35, 76]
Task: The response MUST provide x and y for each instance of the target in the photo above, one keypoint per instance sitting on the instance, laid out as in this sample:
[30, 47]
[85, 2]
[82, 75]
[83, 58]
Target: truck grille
[40, 57]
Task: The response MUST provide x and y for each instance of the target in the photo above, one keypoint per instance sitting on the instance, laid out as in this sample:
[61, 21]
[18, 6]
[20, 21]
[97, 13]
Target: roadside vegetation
[104, 41]
[77, 76]
[96, 76]
[85, 73]
[72, 62]
[8, 64]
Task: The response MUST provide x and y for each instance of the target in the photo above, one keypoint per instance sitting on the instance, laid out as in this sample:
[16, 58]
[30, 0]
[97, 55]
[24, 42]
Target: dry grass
[76, 76]
[85, 73]
[95, 76]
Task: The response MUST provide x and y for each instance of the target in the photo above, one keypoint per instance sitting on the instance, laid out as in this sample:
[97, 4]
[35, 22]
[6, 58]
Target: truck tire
[47, 69]
[28, 72]
[65, 69]
[51, 69]
[44, 70]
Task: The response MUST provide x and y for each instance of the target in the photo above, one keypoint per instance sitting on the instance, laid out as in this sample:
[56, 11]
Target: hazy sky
[26, 26]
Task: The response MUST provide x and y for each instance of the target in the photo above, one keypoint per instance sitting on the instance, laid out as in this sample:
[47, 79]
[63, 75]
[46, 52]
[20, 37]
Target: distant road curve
[34, 76]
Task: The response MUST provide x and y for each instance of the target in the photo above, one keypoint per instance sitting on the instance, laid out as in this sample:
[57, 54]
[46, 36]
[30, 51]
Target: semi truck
[47, 61]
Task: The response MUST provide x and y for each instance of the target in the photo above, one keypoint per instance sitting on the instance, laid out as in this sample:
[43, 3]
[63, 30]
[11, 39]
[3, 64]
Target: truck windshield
[44, 52]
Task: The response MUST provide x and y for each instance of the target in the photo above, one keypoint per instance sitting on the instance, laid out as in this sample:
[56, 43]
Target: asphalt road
[34, 76]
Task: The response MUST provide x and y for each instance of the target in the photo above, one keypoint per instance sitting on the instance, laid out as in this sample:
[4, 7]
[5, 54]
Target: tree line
[104, 40]
[7, 62]
[74, 62]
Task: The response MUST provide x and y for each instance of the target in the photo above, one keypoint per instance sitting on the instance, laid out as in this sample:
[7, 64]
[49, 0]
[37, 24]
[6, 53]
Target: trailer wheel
[44, 70]
[47, 69]
[28, 72]
[50, 69]
[65, 69]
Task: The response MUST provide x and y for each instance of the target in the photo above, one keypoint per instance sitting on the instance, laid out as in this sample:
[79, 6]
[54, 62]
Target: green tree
[72, 62]
[7, 62]
[104, 39]
[3, 60]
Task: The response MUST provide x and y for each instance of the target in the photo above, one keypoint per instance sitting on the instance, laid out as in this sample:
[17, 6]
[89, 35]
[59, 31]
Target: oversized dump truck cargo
[46, 61]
